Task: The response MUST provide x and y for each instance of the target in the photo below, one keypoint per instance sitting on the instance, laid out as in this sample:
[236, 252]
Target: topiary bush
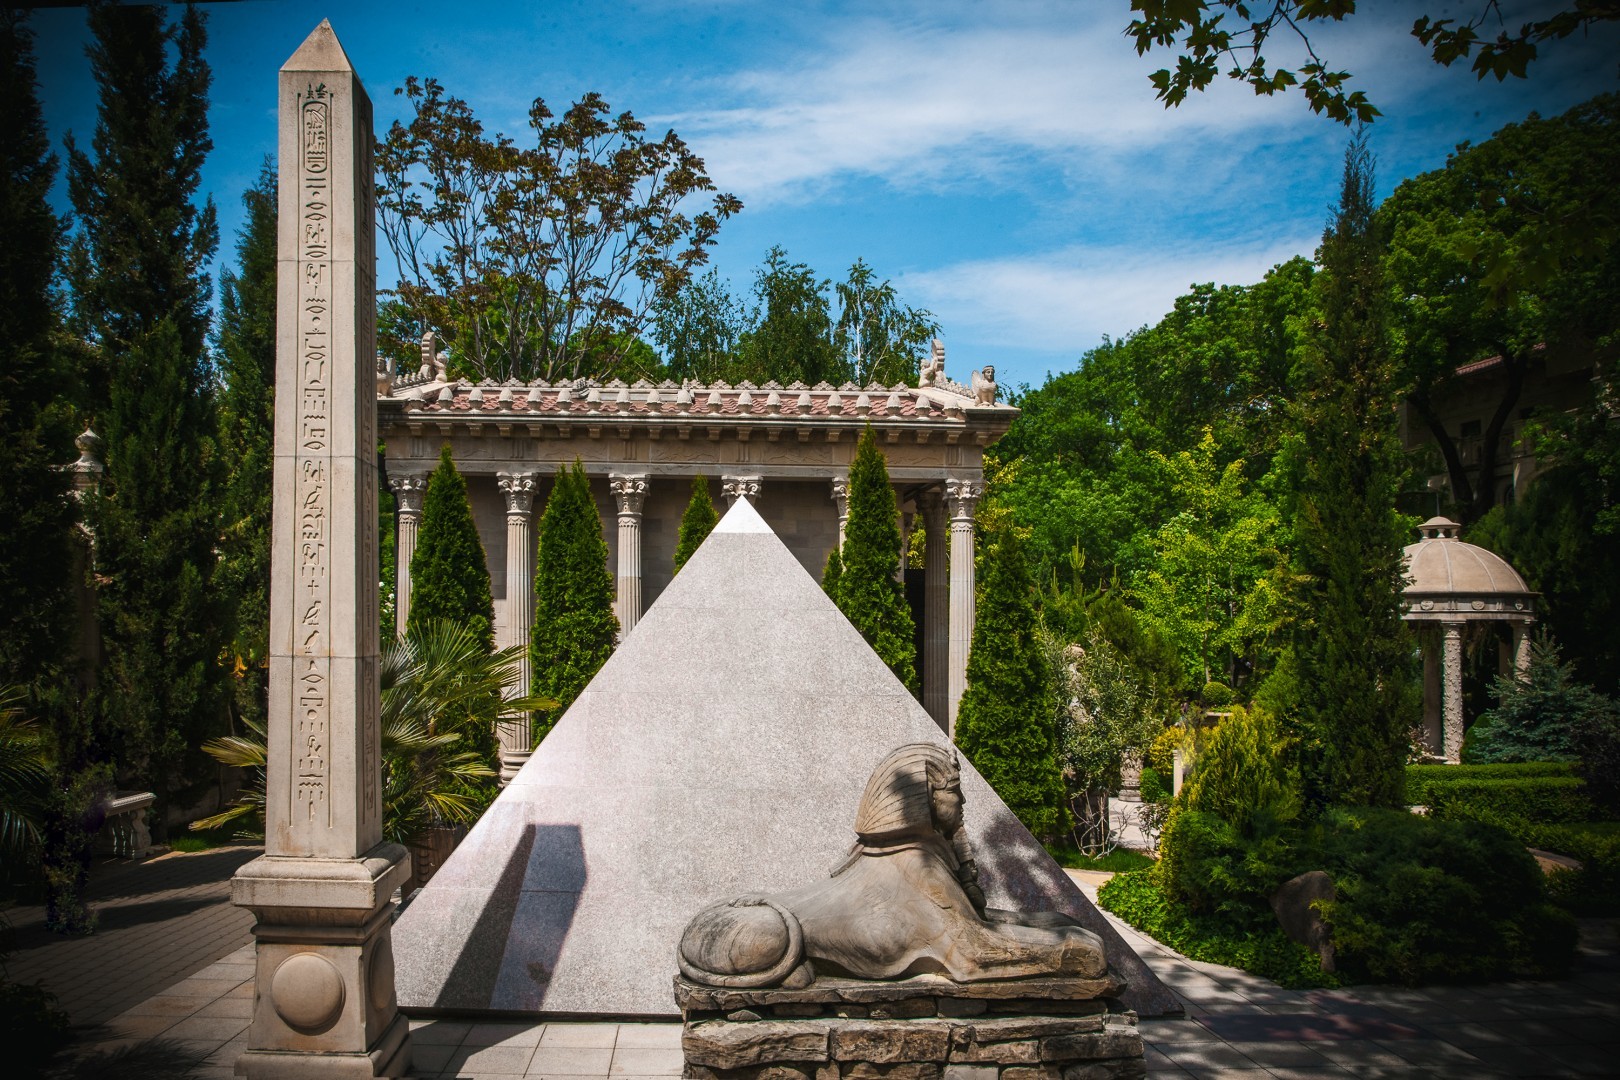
[1423, 780]
[697, 522]
[1546, 799]
[864, 586]
[449, 574]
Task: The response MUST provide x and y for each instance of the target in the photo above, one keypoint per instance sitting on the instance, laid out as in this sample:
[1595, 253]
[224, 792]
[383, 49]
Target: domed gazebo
[1454, 592]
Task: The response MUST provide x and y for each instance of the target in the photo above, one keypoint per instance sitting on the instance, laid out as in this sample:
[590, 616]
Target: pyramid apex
[321, 51]
[742, 518]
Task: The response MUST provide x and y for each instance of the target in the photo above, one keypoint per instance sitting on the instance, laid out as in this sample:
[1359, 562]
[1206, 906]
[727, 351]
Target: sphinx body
[905, 902]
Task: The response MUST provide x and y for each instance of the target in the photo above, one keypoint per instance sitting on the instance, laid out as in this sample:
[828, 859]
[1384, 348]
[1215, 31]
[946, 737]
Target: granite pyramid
[721, 750]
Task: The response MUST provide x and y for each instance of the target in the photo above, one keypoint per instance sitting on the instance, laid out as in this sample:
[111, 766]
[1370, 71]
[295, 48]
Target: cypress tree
[697, 522]
[141, 254]
[866, 590]
[1006, 722]
[1353, 696]
[574, 625]
[449, 574]
[35, 514]
[137, 273]
[831, 574]
[247, 364]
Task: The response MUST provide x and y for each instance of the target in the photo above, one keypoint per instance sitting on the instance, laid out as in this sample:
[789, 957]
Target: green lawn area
[1117, 861]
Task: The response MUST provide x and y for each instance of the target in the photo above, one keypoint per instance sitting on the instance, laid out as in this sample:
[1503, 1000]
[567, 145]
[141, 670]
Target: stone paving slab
[159, 921]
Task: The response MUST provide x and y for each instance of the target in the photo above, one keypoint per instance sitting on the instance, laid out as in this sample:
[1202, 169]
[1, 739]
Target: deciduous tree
[542, 260]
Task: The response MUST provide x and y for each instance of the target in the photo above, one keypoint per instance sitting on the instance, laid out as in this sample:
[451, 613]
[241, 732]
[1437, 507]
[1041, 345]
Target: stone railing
[124, 833]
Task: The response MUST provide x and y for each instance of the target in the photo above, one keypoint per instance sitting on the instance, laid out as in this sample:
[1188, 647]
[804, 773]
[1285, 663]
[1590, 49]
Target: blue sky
[1005, 163]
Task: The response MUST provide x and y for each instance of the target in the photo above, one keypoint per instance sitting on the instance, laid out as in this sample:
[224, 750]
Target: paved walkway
[160, 920]
[1237, 1025]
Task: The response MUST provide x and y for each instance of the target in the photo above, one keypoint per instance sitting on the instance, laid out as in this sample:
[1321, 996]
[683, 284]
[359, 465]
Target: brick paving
[1236, 1026]
[160, 920]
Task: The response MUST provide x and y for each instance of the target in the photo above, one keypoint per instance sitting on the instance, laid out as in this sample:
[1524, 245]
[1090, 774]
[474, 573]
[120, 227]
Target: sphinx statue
[905, 902]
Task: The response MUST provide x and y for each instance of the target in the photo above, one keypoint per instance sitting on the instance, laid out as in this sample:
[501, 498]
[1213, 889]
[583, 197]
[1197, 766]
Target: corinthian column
[1451, 666]
[628, 492]
[961, 497]
[740, 487]
[936, 614]
[408, 502]
[514, 730]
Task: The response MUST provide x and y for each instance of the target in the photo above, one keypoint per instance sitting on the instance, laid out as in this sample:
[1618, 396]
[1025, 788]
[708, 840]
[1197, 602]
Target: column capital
[962, 497]
[740, 487]
[408, 489]
[929, 501]
[629, 490]
[840, 494]
[518, 487]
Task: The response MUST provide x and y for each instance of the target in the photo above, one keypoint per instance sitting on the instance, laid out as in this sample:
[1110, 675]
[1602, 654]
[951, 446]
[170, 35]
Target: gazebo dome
[1448, 579]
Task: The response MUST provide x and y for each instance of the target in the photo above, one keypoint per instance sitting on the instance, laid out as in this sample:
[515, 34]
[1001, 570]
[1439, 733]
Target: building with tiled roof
[785, 448]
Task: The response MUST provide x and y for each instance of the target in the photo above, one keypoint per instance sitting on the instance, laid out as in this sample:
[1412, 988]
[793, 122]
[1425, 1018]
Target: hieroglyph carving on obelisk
[324, 996]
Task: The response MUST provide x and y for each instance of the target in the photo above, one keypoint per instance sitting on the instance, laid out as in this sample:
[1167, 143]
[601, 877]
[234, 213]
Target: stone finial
[88, 469]
[984, 386]
[933, 368]
[430, 352]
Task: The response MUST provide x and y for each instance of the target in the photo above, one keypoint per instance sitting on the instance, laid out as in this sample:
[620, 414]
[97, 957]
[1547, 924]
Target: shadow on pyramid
[721, 750]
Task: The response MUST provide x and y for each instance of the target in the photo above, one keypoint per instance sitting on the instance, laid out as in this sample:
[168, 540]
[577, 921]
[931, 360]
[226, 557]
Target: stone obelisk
[324, 993]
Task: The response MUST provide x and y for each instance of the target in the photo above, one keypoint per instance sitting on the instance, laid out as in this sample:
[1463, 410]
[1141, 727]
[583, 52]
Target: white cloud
[1066, 301]
[929, 104]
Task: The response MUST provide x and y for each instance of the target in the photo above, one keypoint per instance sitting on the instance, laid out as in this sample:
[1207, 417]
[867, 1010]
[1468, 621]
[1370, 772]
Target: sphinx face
[947, 806]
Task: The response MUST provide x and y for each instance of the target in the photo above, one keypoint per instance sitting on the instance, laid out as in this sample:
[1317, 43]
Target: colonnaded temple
[786, 449]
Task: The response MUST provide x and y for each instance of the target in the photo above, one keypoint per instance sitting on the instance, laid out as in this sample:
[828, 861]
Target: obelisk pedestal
[324, 989]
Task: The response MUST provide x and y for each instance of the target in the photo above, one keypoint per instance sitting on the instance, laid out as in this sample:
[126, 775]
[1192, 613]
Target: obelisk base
[323, 998]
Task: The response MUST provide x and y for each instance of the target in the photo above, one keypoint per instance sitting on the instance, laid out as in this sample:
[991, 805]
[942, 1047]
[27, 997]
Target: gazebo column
[840, 495]
[961, 497]
[1521, 650]
[514, 731]
[1452, 696]
[740, 487]
[629, 492]
[1433, 729]
[408, 501]
[936, 610]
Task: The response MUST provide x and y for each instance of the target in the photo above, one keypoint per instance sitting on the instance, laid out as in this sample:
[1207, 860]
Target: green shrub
[449, 575]
[1421, 900]
[1595, 888]
[1242, 775]
[1536, 718]
[1154, 789]
[33, 1025]
[1216, 694]
[697, 522]
[1139, 899]
[1596, 739]
[1421, 780]
[864, 587]
[1548, 799]
[1209, 868]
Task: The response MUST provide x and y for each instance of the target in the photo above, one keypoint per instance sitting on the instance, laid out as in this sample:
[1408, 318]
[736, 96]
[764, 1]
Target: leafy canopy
[543, 260]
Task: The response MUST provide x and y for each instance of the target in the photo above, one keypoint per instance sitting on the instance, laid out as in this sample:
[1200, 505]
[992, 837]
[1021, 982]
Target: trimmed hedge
[1550, 800]
[1422, 779]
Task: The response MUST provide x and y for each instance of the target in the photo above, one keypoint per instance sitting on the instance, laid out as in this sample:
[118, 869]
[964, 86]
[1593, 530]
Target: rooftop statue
[905, 902]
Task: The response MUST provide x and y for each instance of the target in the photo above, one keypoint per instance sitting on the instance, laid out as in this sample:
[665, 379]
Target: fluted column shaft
[629, 492]
[518, 488]
[936, 610]
[1451, 666]
[408, 501]
[961, 498]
